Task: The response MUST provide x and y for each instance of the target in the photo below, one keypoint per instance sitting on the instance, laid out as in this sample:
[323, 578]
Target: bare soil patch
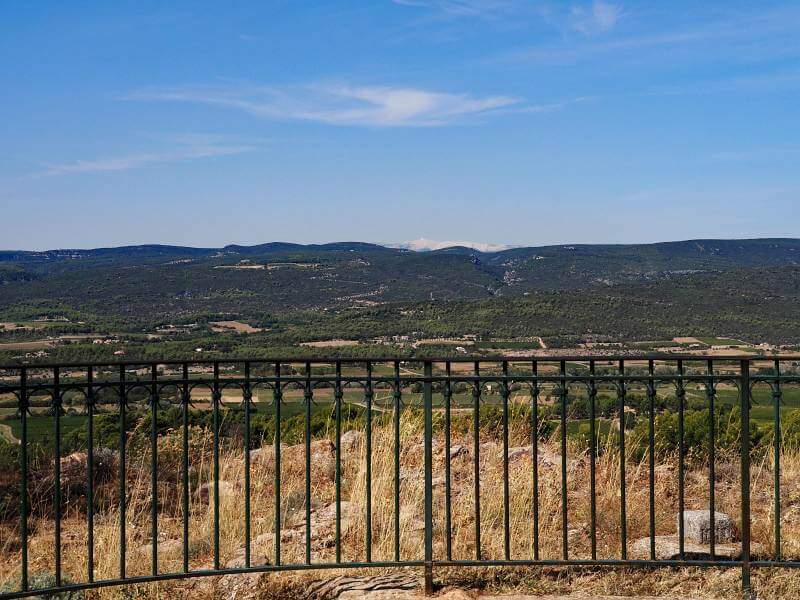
[37, 345]
[237, 326]
[330, 343]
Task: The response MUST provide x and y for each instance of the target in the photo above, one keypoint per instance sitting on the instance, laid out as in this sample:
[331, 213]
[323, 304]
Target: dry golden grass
[713, 583]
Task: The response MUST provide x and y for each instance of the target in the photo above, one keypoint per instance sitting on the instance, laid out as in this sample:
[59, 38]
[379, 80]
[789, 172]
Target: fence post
[428, 410]
[745, 450]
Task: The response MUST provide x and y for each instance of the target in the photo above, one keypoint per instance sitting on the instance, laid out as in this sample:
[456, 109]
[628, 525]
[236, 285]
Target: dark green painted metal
[428, 441]
[593, 461]
[23, 467]
[397, 394]
[562, 394]
[448, 500]
[90, 474]
[640, 564]
[776, 402]
[154, 468]
[744, 444]
[247, 398]
[308, 398]
[681, 461]
[623, 518]
[651, 451]
[368, 465]
[277, 398]
[216, 395]
[535, 456]
[504, 391]
[337, 395]
[711, 393]
[57, 473]
[476, 456]
[61, 387]
[123, 492]
[185, 399]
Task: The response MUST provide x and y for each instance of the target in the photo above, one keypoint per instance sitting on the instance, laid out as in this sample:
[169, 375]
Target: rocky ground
[452, 583]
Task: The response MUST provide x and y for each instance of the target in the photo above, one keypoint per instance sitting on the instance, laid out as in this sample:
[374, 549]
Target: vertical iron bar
[776, 400]
[681, 449]
[397, 399]
[216, 395]
[90, 474]
[185, 398]
[745, 482]
[277, 393]
[368, 459]
[593, 458]
[57, 468]
[476, 394]
[248, 398]
[122, 474]
[337, 394]
[428, 410]
[309, 397]
[535, 456]
[154, 467]
[564, 507]
[712, 458]
[504, 390]
[448, 509]
[623, 520]
[651, 445]
[23, 466]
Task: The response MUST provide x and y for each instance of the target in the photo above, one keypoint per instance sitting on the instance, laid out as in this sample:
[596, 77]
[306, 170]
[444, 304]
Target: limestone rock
[668, 548]
[457, 450]
[293, 458]
[323, 534]
[697, 526]
[546, 458]
[205, 493]
[351, 439]
[385, 586]
[518, 453]
[75, 468]
[264, 455]
[171, 548]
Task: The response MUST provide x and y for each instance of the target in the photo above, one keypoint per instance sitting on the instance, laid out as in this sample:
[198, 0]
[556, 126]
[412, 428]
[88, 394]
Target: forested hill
[138, 287]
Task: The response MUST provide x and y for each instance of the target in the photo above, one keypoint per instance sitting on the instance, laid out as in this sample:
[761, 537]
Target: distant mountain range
[781, 250]
[139, 286]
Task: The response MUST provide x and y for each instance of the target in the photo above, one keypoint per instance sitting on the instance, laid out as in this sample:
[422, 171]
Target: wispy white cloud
[597, 17]
[773, 32]
[190, 146]
[586, 17]
[468, 8]
[342, 104]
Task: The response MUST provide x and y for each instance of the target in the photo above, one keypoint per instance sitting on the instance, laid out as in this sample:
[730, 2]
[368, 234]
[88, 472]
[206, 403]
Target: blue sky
[506, 121]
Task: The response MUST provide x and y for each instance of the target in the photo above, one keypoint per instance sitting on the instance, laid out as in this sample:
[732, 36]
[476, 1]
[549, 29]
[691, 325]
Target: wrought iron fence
[509, 392]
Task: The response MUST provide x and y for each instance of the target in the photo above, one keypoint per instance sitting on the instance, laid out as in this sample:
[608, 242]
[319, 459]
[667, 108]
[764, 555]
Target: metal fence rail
[428, 386]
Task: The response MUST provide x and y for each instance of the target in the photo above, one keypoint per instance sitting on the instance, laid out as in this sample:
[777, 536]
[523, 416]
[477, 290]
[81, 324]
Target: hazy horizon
[487, 247]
